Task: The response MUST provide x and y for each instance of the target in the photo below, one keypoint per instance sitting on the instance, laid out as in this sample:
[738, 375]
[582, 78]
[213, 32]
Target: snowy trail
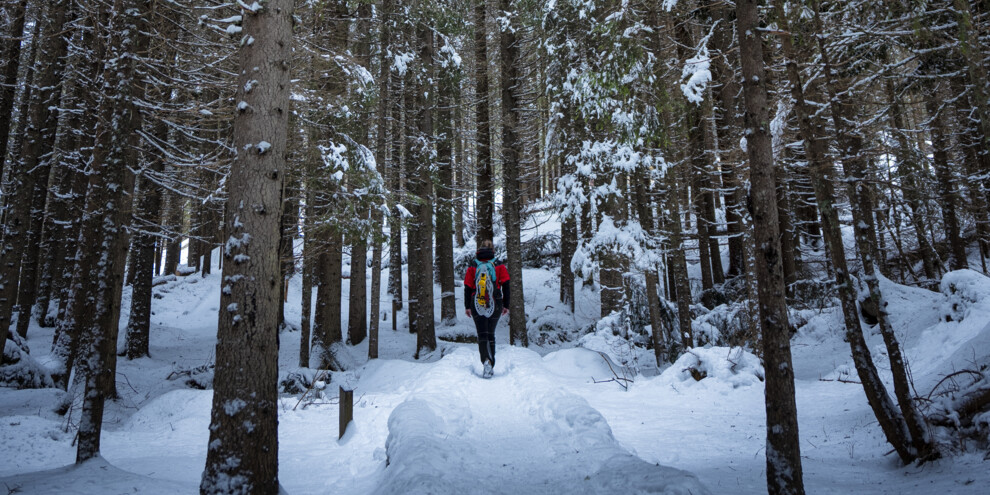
[519, 432]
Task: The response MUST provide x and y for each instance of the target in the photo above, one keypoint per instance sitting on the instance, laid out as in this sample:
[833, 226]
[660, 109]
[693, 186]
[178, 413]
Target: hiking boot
[488, 370]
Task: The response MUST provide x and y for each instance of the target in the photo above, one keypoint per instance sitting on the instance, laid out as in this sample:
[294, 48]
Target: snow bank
[93, 476]
[730, 365]
[418, 457]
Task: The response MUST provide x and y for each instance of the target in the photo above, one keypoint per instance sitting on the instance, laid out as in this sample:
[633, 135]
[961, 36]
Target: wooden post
[346, 410]
[395, 305]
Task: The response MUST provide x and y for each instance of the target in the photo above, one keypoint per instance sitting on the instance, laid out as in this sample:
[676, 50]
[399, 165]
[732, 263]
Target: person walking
[486, 299]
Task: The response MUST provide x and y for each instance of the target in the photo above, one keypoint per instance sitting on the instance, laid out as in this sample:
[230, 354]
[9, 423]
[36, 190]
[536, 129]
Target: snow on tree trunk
[511, 153]
[242, 456]
[783, 451]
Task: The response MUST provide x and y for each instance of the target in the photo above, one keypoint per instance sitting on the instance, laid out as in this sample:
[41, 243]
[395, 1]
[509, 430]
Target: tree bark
[783, 453]
[444, 207]
[244, 419]
[32, 168]
[821, 172]
[11, 56]
[421, 192]
[511, 152]
[485, 192]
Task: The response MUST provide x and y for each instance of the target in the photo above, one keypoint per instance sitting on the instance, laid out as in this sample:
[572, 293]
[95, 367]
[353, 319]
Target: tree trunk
[444, 207]
[102, 237]
[11, 56]
[850, 142]
[678, 263]
[511, 152]
[421, 191]
[486, 202]
[945, 184]
[173, 226]
[783, 451]
[138, 332]
[820, 171]
[32, 168]
[244, 419]
[327, 327]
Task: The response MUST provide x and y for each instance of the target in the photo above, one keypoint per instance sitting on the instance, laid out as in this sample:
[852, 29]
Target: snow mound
[21, 370]
[964, 290]
[562, 445]
[731, 365]
[578, 363]
[183, 409]
[608, 337]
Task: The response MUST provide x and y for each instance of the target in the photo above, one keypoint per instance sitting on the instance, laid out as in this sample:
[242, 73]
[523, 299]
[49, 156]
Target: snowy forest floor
[541, 425]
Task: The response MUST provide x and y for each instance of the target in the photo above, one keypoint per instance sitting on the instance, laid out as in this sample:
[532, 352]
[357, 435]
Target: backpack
[486, 290]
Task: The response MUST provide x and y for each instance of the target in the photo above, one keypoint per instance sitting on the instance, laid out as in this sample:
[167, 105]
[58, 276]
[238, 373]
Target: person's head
[486, 250]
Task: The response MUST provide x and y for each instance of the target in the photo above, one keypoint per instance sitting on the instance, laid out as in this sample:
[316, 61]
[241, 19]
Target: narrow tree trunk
[678, 263]
[173, 225]
[908, 171]
[945, 183]
[327, 327]
[783, 451]
[308, 271]
[850, 143]
[138, 333]
[820, 171]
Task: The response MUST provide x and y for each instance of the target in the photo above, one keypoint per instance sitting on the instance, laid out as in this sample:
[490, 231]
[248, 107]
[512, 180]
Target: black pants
[486, 333]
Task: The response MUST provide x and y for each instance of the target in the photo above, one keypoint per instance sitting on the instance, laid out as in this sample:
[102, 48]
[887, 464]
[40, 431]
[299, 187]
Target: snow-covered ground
[541, 425]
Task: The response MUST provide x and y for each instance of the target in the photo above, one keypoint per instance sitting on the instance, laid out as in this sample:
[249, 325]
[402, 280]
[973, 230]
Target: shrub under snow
[964, 289]
[731, 365]
[20, 370]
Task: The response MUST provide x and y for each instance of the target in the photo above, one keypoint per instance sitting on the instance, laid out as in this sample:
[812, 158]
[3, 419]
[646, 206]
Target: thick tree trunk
[103, 238]
[244, 419]
[32, 167]
[444, 207]
[511, 152]
[783, 450]
[421, 190]
[11, 56]
[485, 192]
